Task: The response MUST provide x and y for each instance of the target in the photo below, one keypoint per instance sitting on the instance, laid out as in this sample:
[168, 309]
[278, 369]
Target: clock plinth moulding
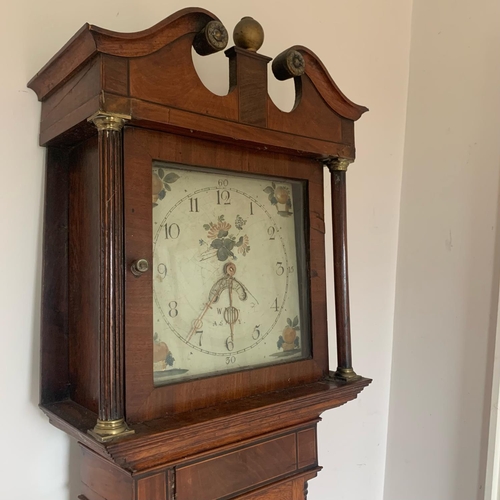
[113, 104]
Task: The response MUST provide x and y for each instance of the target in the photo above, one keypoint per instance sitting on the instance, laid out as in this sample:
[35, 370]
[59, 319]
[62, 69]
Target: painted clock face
[229, 273]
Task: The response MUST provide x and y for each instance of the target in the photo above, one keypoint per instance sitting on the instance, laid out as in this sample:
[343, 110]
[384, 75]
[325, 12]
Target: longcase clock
[184, 332]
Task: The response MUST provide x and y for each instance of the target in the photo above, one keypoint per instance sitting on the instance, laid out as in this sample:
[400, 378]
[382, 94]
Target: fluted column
[111, 422]
[338, 170]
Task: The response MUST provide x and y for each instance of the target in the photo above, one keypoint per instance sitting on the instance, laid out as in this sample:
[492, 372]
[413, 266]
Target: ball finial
[248, 34]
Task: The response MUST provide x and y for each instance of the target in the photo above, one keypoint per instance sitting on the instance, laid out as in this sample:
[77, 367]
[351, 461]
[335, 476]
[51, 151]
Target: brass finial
[248, 34]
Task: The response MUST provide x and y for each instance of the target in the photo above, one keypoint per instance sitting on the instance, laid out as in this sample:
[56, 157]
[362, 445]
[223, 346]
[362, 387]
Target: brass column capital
[109, 121]
[338, 164]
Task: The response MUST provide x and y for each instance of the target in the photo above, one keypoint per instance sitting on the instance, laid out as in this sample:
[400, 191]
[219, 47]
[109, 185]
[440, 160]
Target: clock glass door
[230, 285]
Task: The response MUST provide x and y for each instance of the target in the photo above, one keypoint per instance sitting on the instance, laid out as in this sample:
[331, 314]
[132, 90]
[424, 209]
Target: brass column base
[345, 375]
[106, 430]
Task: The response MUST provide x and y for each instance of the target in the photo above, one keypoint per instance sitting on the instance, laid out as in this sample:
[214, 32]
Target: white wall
[447, 285]
[365, 45]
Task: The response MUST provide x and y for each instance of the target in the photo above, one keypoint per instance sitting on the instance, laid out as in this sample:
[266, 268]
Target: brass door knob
[139, 267]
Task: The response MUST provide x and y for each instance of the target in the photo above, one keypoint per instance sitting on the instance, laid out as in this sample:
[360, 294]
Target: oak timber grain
[248, 470]
[54, 363]
[89, 494]
[84, 302]
[282, 491]
[91, 40]
[326, 126]
[162, 73]
[184, 22]
[143, 400]
[347, 132]
[160, 117]
[153, 116]
[306, 448]
[234, 472]
[294, 489]
[321, 79]
[248, 79]
[114, 74]
[152, 487]
[81, 88]
[63, 65]
[199, 431]
[103, 479]
[73, 128]
[152, 80]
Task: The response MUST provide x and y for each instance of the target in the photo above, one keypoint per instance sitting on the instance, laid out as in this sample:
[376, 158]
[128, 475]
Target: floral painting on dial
[163, 361]
[162, 357]
[222, 244]
[288, 341]
[161, 184]
[279, 196]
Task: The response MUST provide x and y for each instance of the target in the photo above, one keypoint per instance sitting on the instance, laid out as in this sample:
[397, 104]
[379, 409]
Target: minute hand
[231, 314]
[213, 296]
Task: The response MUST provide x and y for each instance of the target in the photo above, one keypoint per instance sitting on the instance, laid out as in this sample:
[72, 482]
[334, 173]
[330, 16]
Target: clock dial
[228, 264]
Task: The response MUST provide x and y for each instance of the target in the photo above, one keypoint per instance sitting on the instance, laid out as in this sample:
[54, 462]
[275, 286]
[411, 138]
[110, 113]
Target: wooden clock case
[111, 104]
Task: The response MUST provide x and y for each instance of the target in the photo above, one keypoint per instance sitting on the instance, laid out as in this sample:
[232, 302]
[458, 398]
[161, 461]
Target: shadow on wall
[483, 486]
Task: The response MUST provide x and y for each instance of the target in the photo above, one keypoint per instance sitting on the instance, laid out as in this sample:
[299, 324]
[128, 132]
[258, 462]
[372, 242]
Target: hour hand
[240, 289]
[216, 290]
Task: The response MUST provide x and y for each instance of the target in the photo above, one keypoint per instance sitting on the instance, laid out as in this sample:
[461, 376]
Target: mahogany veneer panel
[226, 475]
[152, 487]
[324, 126]
[306, 448]
[167, 77]
[294, 489]
[114, 74]
[283, 491]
